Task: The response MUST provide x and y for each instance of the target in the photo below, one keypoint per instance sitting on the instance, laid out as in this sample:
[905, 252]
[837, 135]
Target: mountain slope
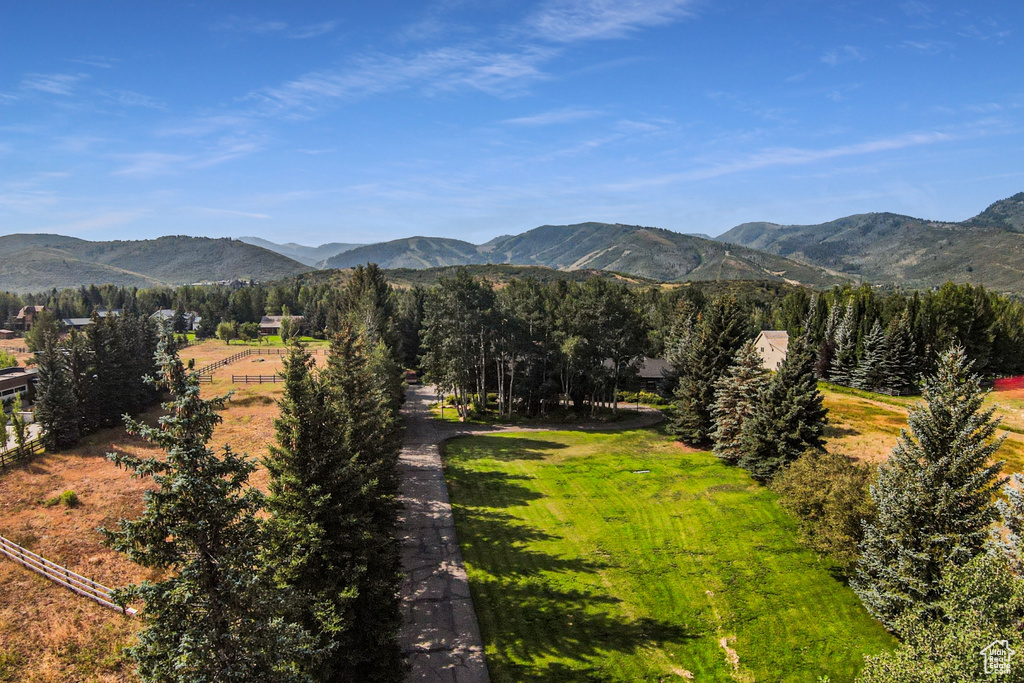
[38, 262]
[633, 250]
[310, 256]
[885, 247]
[411, 252]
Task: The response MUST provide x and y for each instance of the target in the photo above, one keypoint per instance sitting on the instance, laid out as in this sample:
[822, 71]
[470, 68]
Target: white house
[772, 345]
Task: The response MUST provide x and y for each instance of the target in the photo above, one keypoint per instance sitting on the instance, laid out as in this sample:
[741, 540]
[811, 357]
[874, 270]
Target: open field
[866, 426]
[585, 568]
[46, 632]
[10, 345]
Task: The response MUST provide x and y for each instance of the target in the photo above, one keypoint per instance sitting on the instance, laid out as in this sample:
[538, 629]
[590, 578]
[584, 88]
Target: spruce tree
[735, 394]
[900, 357]
[1009, 537]
[713, 343]
[213, 617]
[934, 495]
[56, 407]
[844, 359]
[870, 374]
[371, 430]
[788, 416]
[827, 348]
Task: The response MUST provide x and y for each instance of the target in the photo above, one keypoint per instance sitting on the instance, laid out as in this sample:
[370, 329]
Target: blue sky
[360, 122]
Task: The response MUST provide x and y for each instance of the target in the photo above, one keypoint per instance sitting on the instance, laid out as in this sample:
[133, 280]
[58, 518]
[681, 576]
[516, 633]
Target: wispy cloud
[566, 21]
[258, 27]
[436, 70]
[142, 164]
[792, 156]
[97, 61]
[54, 84]
[554, 117]
[843, 55]
[229, 212]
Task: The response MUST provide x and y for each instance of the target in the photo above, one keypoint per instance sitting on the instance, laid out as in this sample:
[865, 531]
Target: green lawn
[583, 570]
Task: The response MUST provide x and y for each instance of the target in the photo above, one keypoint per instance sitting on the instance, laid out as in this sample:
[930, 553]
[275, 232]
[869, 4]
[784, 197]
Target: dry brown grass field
[866, 429]
[14, 346]
[48, 634]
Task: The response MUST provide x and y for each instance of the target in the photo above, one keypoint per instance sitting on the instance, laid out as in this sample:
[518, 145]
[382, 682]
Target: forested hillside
[633, 250]
[32, 263]
[886, 247]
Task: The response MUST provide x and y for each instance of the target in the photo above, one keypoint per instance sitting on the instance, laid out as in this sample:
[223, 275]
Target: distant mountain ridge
[39, 262]
[891, 248]
[310, 256]
[646, 252]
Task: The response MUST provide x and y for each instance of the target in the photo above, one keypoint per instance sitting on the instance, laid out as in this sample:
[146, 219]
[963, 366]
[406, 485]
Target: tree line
[300, 584]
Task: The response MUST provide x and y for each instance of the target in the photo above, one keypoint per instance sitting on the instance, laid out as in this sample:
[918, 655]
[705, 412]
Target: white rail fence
[61, 575]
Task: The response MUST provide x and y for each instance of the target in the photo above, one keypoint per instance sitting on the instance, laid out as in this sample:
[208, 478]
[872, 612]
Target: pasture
[624, 557]
[46, 632]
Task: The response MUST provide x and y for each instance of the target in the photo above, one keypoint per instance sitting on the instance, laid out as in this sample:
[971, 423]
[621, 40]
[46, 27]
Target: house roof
[76, 322]
[777, 338]
[654, 368]
[33, 309]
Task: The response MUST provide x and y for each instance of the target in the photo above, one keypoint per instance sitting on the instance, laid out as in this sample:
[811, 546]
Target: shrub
[828, 493]
[68, 499]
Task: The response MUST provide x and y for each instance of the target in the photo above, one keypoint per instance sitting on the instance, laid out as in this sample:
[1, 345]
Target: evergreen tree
[980, 602]
[900, 357]
[368, 422]
[214, 617]
[316, 503]
[1010, 536]
[934, 495]
[870, 374]
[844, 359]
[714, 341]
[788, 416]
[827, 348]
[735, 394]
[57, 410]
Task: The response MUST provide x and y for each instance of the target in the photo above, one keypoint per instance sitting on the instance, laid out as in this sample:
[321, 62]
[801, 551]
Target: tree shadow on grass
[545, 617]
[499, 448]
[837, 431]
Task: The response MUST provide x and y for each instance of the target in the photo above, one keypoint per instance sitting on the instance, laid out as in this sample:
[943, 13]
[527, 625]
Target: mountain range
[915, 252]
[310, 256]
[645, 252]
[881, 248]
[36, 263]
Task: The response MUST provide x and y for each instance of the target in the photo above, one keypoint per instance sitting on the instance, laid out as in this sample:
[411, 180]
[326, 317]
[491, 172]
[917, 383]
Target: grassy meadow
[625, 557]
[47, 633]
[865, 426]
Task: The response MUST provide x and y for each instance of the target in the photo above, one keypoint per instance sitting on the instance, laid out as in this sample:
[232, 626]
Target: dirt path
[440, 635]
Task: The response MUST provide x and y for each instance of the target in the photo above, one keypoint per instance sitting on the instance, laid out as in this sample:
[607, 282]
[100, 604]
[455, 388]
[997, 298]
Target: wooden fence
[208, 369]
[9, 457]
[256, 379]
[61, 575]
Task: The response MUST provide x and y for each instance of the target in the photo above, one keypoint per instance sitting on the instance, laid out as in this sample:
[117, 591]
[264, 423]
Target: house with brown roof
[773, 346]
[27, 317]
[271, 324]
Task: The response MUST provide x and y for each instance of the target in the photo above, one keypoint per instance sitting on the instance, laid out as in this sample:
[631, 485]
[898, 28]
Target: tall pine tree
[788, 416]
[900, 357]
[56, 409]
[934, 495]
[735, 395]
[844, 358]
[716, 337]
[214, 617]
[870, 374]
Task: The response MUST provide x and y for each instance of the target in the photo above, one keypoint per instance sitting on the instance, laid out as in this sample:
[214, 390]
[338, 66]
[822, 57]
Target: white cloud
[843, 55]
[554, 117]
[435, 70]
[54, 84]
[791, 156]
[229, 212]
[312, 30]
[97, 61]
[259, 27]
[571, 20]
[143, 164]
